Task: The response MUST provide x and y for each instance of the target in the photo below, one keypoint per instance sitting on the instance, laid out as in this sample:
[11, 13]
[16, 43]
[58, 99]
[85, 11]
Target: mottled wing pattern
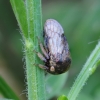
[54, 38]
[65, 52]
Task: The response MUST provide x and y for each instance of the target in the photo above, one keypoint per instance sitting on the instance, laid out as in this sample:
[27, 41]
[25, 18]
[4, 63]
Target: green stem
[35, 76]
[87, 70]
[30, 22]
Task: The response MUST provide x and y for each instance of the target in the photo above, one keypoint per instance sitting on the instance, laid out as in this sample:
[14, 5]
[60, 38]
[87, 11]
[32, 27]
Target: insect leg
[43, 49]
[40, 56]
[41, 66]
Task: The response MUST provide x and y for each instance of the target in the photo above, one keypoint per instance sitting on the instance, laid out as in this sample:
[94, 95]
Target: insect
[56, 55]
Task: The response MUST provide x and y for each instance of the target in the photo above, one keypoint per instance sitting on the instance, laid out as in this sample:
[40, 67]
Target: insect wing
[53, 38]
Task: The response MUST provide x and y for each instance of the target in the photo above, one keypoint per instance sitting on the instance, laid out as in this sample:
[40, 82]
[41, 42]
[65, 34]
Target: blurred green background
[81, 22]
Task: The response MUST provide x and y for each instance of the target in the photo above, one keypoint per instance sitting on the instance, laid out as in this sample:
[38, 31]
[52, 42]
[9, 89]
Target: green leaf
[20, 14]
[6, 91]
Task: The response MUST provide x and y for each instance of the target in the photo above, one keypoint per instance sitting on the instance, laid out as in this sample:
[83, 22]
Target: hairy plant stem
[87, 70]
[28, 15]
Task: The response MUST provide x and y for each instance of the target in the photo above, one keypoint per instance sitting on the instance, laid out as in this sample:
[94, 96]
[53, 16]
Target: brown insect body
[56, 47]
